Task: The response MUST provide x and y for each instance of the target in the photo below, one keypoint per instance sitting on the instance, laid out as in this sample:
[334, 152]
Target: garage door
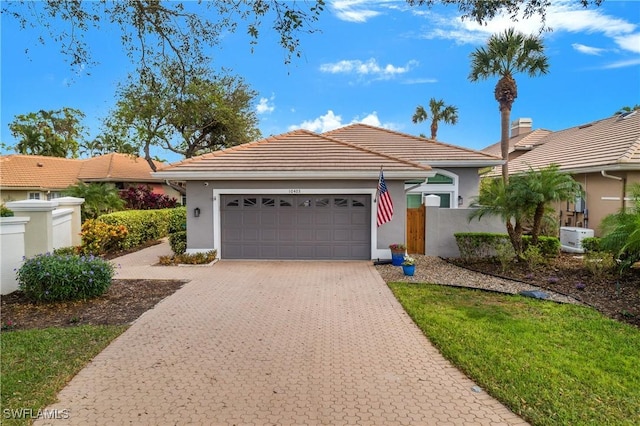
[296, 226]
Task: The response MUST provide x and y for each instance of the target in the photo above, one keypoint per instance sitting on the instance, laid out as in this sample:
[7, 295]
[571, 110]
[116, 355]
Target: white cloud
[420, 81]
[367, 68]
[622, 64]
[353, 10]
[331, 121]
[561, 16]
[265, 105]
[587, 50]
[630, 42]
[322, 124]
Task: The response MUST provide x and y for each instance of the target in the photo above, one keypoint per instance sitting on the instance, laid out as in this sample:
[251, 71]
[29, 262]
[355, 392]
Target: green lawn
[37, 364]
[552, 364]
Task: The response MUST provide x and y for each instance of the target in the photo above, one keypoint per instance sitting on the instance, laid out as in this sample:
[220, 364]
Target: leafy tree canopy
[56, 133]
[483, 11]
[204, 113]
[154, 32]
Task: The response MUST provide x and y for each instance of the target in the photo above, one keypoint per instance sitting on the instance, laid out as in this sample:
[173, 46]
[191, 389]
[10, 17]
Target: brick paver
[278, 343]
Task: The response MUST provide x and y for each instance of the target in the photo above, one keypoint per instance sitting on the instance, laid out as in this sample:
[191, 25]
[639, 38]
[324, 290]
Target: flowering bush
[143, 198]
[408, 260]
[50, 277]
[99, 237]
[397, 247]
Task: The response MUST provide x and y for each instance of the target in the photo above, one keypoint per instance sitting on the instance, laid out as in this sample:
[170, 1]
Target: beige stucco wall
[11, 195]
[603, 196]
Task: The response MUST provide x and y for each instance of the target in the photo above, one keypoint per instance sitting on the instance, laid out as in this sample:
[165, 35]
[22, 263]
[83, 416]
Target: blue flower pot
[409, 270]
[397, 258]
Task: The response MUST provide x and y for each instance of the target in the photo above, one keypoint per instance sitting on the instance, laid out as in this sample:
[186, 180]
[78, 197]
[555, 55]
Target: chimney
[521, 126]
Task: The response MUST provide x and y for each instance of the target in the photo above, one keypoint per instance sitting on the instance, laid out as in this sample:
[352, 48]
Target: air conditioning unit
[571, 238]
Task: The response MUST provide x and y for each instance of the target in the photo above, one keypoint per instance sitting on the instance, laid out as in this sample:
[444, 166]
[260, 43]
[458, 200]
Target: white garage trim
[217, 193]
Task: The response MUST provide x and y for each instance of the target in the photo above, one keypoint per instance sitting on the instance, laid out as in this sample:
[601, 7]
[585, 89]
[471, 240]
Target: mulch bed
[124, 302]
[615, 296]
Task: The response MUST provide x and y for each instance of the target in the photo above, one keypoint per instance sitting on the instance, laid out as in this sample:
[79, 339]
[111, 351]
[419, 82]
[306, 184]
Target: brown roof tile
[38, 172]
[521, 142]
[49, 173]
[612, 143]
[117, 167]
[409, 147]
[297, 151]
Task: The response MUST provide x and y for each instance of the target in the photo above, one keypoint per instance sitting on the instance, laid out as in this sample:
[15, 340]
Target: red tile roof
[49, 173]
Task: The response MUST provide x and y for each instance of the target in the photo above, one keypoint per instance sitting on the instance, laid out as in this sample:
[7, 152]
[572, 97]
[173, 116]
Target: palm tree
[439, 112]
[506, 54]
[497, 199]
[99, 198]
[540, 188]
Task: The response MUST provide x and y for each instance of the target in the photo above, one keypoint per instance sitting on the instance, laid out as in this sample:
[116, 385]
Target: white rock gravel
[435, 270]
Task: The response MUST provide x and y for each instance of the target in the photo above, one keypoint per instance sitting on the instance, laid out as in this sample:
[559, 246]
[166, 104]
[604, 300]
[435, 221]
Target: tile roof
[38, 172]
[117, 167]
[48, 173]
[300, 152]
[611, 143]
[525, 141]
[411, 148]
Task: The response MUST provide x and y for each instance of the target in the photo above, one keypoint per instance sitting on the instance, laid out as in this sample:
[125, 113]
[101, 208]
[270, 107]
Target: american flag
[385, 205]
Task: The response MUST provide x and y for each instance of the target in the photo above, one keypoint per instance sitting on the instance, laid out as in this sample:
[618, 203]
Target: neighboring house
[44, 178]
[603, 156]
[302, 195]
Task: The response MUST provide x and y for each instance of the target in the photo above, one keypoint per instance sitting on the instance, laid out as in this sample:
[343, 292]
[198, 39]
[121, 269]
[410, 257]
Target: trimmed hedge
[142, 225]
[478, 245]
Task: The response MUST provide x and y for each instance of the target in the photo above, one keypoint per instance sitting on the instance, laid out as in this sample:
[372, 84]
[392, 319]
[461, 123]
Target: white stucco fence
[38, 227]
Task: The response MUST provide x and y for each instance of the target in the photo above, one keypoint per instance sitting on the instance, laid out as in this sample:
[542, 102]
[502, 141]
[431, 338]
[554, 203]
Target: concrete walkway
[273, 343]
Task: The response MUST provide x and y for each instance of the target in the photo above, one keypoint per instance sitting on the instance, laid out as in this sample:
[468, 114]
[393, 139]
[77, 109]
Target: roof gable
[297, 153]
[411, 148]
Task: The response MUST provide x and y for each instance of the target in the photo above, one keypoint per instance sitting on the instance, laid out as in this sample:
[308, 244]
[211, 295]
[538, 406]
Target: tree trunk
[515, 236]
[147, 156]
[434, 129]
[505, 117]
[537, 223]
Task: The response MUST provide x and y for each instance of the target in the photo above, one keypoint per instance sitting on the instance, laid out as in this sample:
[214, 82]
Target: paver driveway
[281, 343]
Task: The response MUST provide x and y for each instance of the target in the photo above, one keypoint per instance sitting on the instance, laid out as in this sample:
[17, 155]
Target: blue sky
[372, 62]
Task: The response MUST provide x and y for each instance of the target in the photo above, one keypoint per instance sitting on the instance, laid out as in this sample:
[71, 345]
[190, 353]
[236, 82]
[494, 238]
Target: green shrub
[50, 277]
[478, 245]
[5, 211]
[189, 259]
[100, 238]
[599, 263]
[143, 225]
[591, 244]
[63, 251]
[178, 242]
[549, 246]
[533, 257]
[177, 220]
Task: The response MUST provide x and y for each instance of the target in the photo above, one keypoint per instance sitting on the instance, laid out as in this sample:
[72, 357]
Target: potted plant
[397, 253]
[408, 266]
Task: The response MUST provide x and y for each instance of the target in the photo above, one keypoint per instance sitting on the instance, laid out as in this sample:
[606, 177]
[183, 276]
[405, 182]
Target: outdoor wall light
[460, 200]
[196, 212]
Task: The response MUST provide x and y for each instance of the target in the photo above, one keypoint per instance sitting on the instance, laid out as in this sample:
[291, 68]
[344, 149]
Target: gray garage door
[296, 226]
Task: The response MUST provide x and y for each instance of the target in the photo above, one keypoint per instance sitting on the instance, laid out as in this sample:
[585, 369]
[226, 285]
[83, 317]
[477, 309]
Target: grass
[549, 363]
[37, 364]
